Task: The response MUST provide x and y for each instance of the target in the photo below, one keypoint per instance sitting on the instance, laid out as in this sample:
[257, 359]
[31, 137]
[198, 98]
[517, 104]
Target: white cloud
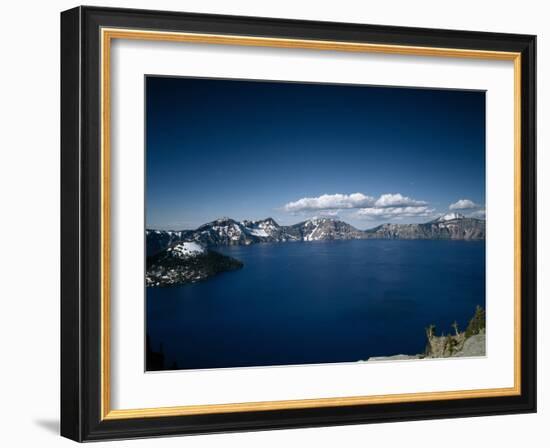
[396, 200]
[387, 206]
[395, 212]
[330, 213]
[463, 204]
[330, 202]
[469, 208]
[351, 201]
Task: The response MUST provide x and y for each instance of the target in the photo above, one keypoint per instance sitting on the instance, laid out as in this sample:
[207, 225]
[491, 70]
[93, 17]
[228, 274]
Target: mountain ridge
[227, 231]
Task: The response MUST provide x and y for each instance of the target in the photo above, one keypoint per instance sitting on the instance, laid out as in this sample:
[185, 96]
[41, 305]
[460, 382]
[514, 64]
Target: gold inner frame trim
[107, 35]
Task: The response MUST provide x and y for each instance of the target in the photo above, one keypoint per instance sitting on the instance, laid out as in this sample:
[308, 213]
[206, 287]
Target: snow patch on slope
[258, 232]
[186, 249]
[450, 217]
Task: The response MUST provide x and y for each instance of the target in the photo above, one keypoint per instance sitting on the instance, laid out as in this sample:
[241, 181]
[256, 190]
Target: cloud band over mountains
[464, 204]
[329, 202]
[386, 206]
[395, 212]
[389, 205]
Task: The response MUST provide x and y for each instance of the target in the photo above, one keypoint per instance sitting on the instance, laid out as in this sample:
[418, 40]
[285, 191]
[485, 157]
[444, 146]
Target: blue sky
[253, 149]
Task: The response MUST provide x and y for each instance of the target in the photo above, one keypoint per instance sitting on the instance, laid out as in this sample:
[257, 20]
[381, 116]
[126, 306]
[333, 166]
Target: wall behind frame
[29, 185]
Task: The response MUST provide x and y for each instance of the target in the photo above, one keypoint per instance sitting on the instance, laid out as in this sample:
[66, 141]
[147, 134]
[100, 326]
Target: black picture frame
[81, 382]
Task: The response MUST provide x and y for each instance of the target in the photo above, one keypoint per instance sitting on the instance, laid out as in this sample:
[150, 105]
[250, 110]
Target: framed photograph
[275, 224]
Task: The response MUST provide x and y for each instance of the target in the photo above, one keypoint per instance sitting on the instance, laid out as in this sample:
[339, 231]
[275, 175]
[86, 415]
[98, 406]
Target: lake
[318, 302]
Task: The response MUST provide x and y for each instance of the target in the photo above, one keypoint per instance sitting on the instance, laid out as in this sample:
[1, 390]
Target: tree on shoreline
[477, 323]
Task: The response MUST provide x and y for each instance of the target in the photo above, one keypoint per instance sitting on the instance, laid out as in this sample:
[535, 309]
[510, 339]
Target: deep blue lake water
[318, 302]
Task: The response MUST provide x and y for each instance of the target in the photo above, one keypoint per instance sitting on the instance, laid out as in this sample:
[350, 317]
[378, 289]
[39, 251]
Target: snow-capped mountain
[317, 229]
[227, 231]
[453, 226]
[222, 232]
[267, 230]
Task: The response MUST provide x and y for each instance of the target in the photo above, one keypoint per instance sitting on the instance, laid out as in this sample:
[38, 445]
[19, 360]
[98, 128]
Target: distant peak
[450, 217]
[260, 222]
[223, 221]
[268, 219]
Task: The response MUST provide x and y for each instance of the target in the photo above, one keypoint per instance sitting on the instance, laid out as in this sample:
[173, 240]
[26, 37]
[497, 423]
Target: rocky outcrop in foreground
[468, 343]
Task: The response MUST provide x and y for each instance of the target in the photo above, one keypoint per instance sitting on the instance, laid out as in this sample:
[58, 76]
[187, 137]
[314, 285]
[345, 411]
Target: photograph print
[292, 223]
